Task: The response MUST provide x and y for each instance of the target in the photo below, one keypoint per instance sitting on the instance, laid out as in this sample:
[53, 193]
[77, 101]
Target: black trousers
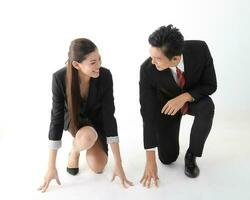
[169, 126]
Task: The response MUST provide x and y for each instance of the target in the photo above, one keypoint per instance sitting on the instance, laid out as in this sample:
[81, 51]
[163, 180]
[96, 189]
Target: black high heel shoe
[73, 171]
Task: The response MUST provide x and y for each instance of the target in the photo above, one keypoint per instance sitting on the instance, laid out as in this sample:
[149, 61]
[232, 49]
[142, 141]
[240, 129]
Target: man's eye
[92, 63]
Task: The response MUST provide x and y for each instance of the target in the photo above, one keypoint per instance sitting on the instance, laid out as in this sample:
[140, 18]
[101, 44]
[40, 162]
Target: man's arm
[148, 109]
[208, 82]
[148, 112]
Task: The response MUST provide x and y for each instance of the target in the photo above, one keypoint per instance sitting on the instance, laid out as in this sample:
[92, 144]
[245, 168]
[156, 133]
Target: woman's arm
[51, 172]
[52, 159]
[55, 132]
[116, 153]
[118, 170]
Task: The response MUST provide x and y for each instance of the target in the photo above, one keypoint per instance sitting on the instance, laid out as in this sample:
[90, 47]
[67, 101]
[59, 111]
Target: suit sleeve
[57, 115]
[208, 83]
[148, 110]
[108, 110]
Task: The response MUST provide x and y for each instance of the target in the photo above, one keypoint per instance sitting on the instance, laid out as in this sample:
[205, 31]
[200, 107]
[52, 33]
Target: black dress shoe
[191, 168]
[73, 171]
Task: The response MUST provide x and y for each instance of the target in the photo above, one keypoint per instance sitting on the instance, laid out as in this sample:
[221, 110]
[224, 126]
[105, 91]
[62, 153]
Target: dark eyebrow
[157, 57]
[95, 59]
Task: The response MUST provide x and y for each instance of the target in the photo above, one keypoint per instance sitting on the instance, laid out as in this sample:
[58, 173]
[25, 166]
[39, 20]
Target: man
[175, 80]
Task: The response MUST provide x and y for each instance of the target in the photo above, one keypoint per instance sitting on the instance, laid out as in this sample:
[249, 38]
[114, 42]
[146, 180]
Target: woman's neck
[83, 78]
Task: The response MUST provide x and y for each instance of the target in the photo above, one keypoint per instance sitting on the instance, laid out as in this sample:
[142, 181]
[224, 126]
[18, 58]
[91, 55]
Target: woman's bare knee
[85, 138]
[97, 165]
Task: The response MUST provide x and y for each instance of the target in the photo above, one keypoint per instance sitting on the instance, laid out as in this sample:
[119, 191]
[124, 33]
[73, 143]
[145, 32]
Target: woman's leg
[84, 139]
[96, 157]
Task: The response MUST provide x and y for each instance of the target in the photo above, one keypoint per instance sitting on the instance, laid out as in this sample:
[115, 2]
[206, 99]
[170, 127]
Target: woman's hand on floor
[118, 171]
[49, 176]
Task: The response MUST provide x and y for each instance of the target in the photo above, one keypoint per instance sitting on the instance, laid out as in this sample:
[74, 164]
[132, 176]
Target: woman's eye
[92, 63]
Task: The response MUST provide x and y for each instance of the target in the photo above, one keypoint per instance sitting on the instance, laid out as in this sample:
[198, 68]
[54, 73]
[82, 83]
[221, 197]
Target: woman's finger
[123, 183]
[129, 182]
[113, 178]
[58, 181]
[41, 186]
[45, 187]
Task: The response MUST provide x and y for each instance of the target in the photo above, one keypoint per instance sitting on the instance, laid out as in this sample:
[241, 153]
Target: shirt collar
[180, 65]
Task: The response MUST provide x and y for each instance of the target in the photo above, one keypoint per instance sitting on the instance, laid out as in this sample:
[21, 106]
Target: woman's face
[91, 65]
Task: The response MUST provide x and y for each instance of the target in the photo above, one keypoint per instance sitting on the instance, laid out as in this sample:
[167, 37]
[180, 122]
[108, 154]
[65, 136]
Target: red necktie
[181, 80]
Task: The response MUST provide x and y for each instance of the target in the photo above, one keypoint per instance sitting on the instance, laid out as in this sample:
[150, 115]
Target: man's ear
[75, 65]
[175, 58]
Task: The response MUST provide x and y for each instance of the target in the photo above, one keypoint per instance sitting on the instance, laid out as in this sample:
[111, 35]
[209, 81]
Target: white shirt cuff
[151, 149]
[55, 144]
[114, 139]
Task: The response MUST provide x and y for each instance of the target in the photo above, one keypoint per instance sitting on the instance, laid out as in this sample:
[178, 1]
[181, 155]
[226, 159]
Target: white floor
[225, 168]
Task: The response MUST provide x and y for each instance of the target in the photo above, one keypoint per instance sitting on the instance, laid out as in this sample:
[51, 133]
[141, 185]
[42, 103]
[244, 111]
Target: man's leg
[168, 138]
[203, 111]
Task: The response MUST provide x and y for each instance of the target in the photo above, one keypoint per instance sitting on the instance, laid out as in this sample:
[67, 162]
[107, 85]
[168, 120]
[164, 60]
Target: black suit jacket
[157, 87]
[99, 109]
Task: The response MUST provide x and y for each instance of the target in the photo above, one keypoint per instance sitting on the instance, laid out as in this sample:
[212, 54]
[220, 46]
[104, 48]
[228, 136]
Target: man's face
[160, 61]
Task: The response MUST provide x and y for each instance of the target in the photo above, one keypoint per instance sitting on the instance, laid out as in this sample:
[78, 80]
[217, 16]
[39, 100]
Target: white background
[34, 41]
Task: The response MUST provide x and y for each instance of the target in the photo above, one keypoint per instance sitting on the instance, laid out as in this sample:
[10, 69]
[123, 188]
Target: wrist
[150, 157]
[51, 168]
[187, 97]
[118, 162]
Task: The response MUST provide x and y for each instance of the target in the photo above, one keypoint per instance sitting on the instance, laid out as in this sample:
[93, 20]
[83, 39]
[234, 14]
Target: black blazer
[157, 87]
[99, 109]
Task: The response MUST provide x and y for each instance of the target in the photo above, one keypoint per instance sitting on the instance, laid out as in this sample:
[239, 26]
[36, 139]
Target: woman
[83, 104]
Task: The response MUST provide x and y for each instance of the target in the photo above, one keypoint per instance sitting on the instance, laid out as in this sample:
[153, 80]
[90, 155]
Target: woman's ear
[75, 65]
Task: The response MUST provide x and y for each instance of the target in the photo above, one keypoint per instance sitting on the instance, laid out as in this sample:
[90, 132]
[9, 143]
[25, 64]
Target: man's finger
[145, 181]
[174, 111]
[167, 110]
[142, 179]
[156, 182]
[164, 108]
[149, 182]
